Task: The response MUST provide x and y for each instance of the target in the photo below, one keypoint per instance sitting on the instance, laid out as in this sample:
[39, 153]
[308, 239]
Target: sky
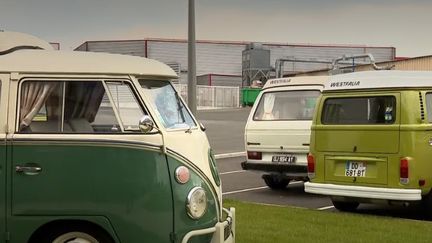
[403, 24]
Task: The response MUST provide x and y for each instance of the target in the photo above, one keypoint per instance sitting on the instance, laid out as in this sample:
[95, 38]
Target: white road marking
[325, 208]
[296, 182]
[230, 155]
[232, 172]
[255, 188]
[245, 190]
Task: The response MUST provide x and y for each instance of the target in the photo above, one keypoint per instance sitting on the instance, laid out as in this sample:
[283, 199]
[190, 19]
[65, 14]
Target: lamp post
[191, 59]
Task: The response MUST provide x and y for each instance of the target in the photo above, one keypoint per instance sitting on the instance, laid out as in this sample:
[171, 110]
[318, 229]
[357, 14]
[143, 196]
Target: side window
[126, 104]
[68, 107]
[359, 110]
[429, 106]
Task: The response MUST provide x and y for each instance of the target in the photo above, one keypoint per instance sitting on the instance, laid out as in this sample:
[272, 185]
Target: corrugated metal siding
[226, 58]
[211, 57]
[134, 48]
[219, 80]
[413, 64]
[323, 53]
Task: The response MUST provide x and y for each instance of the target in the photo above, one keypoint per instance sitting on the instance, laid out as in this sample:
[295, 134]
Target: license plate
[355, 169]
[284, 159]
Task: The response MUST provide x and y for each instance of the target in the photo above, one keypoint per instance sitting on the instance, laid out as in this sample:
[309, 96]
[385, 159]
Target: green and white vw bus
[371, 139]
[100, 148]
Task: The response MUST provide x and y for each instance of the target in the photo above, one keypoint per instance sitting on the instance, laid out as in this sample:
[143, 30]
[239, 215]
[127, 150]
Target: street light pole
[191, 59]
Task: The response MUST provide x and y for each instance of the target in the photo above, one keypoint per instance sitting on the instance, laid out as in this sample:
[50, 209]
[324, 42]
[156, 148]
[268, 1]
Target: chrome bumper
[223, 232]
[363, 192]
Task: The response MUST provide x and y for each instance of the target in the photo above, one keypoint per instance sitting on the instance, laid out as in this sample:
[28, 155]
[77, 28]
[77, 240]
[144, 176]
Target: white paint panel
[379, 79]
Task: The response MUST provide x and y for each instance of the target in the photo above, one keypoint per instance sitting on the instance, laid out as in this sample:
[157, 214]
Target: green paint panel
[129, 186]
[375, 173]
[380, 146]
[358, 139]
[2, 190]
[182, 222]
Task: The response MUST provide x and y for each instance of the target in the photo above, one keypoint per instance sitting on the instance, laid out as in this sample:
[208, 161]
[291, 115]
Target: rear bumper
[364, 192]
[223, 232]
[287, 169]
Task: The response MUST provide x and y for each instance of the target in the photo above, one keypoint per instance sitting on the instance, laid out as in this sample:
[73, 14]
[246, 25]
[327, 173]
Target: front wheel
[275, 182]
[76, 234]
[345, 206]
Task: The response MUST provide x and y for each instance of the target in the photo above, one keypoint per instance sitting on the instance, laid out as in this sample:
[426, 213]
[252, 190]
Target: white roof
[379, 80]
[303, 81]
[9, 40]
[71, 62]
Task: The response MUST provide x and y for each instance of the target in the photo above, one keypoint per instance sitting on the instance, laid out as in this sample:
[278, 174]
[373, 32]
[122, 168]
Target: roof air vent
[422, 112]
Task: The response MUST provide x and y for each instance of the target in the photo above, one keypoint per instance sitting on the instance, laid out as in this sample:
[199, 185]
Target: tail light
[404, 171]
[311, 166]
[254, 155]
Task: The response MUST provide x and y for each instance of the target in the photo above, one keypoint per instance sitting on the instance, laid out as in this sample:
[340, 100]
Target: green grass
[272, 224]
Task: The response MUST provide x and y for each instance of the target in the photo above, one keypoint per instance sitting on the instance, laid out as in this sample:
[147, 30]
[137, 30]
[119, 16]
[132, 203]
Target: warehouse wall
[219, 80]
[226, 57]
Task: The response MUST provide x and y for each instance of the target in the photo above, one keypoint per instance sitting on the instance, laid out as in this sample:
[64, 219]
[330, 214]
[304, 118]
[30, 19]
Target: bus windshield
[287, 105]
[169, 106]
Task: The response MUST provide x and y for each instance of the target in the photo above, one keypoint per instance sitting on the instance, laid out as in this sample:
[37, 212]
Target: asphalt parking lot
[225, 130]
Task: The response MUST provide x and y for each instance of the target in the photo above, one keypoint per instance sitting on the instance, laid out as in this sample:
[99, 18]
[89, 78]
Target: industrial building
[229, 63]
[423, 63]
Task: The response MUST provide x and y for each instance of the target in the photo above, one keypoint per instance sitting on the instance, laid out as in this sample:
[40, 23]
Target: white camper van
[278, 129]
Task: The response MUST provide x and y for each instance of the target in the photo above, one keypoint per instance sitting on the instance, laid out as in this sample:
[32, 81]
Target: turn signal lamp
[311, 166]
[404, 171]
[254, 155]
[182, 174]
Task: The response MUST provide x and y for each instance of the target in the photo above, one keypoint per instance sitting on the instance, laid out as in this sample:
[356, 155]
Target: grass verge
[273, 224]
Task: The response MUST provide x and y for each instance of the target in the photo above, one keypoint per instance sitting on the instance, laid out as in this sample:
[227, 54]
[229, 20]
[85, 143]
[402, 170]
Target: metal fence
[209, 97]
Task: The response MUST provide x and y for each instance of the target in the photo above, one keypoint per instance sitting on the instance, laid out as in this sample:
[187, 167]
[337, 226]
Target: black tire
[426, 204]
[67, 233]
[345, 206]
[275, 182]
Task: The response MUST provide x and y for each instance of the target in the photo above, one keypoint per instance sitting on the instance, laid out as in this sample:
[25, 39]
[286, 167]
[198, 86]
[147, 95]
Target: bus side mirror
[146, 124]
[203, 128]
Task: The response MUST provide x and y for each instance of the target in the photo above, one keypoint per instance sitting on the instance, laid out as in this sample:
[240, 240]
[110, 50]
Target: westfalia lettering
[345, 84]
[279, 81]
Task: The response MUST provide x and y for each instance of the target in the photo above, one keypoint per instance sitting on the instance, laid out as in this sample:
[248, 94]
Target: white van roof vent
[13, 41]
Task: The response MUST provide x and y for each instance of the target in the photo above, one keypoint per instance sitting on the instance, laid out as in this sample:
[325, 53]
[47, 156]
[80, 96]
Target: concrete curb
[230, 155]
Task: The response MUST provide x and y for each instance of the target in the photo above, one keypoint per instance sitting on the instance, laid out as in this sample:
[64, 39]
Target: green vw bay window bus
[100, 148]
[371, 139]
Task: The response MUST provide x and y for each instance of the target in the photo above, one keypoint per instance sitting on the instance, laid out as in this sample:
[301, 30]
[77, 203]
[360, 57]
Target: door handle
[28, 169]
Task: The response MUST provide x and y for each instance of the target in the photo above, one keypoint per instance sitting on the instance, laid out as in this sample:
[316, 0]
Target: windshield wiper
[179, 106]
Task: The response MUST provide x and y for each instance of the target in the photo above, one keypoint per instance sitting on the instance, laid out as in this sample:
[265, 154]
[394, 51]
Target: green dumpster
[249, 95]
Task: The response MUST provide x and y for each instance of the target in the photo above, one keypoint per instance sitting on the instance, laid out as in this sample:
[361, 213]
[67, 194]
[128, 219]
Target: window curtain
[269, 100]
[83, 100]
[33, 97]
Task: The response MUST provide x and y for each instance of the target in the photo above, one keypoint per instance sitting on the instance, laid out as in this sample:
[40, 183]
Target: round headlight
[196, 203]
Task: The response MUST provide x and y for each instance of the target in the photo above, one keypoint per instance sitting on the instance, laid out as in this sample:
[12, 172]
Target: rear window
[359, 110]
[429, 106]
[287, 105]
